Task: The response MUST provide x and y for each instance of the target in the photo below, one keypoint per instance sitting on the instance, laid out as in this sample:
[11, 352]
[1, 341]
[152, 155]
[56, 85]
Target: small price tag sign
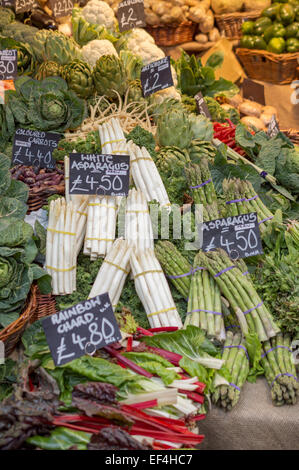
[82, 329]
[130, 14]
[106, 175]
[61, 8]
[8, 64]
[273, 127]
[156, 76]
[35, 148]
[239, 236]
[24, 5]
[201, 105]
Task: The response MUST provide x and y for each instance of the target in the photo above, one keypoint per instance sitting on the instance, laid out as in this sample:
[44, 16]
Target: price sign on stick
[8, 64]
[201, 105]
[82, 329]
[273, 127]
[35, 148]
[130, 14]
[61, 8]
[156, 76]
[239, 236]
[24, 5]
[101, 175]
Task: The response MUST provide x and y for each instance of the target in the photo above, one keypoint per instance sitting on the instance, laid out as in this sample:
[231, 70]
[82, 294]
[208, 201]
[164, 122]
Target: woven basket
[46, 305]
[38, 196]
[293, 135]
[268, 67]
[169, 35]
[13, 332]
[231, 24]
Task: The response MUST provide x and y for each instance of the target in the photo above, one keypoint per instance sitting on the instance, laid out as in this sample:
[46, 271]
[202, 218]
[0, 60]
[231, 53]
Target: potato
[214, 35]
[166, 19]
[221, 7]
[253, 122]
[201, 38]
[179, 3]
[236, 101]
[177, 14]
[250, 108]
[159, 8]
[256, 5]
[206, 4]
[208, 23]
[269, 110]
[227, 107]
[151, 18]
[191, 3]
[197, 14]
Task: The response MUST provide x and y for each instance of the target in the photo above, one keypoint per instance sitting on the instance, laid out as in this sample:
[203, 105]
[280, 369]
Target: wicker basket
[172, 35]
[46, 305]
[13, 332]
[293, 135]
[38, 196]
[268, 67]
[231, 24]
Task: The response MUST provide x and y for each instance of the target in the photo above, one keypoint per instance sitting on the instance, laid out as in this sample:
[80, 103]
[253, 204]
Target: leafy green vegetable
[254, 349]
[90, 144]
[154, 364]
[143, 138]
[61, 439]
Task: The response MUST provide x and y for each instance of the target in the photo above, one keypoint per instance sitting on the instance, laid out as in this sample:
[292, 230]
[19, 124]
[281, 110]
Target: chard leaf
[222, 87]
[61, 439]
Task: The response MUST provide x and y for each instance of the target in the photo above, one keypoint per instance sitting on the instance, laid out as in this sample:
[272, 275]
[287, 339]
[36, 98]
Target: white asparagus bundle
[113, 272]
[61, 253]
[146, 176]
[138, 224]
[113, 140]
[153, 290]
[81, 222]
[101, 225]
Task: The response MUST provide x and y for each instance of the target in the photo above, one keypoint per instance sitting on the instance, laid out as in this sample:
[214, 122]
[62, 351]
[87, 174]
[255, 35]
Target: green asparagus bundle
[280, 370]
[204, 303]
[200, 182]
[240, 293]
[176, 267]
[236, 361]
[241, 198]
[293, 232]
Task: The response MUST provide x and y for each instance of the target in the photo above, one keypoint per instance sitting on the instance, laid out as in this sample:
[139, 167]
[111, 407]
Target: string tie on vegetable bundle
[224, 271]
[190, 273]
[61, 270]
[253, 308]
[150, 271]
[242, 199]
[276, 347]
[284, 373]
[202, 184]
[203, 310]
[263, 174]
[232, 326]
[162, 311]
[61, 231]
[235, 386]
[265, 220]
[116, 266]
[240, 346]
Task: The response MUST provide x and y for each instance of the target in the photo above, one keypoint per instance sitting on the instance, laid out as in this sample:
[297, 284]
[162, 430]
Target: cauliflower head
[98, 12]
[92, 51]
[143, 44]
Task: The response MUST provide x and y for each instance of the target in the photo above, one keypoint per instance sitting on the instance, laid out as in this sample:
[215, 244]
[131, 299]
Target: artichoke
[201, 127]
[48, 69]
[158, 108]
[26, 62]
[199, 149]
[59, 48]
[38, 44]
[135, 91]
[109, 76]
[78, 76]
[132, 64]
[174, 129]
[169, 159]
[7, 16]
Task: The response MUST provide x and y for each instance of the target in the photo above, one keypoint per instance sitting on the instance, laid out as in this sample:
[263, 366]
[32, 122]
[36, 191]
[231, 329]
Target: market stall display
[194, 322]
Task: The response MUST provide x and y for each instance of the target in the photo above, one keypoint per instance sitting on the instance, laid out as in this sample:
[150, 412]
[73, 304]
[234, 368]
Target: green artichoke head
[48, 69]
[201, 127]
[61, 49]
[78, 76]
[109, 76]
[174, 129]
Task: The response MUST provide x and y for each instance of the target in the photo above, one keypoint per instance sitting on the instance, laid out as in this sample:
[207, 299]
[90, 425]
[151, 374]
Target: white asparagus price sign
[130, 14]
[239, 236]
[101, 175]
[35, 148]
[8, 64]
[81, 329]
[61, 8]
[156, 76]
[24, 5]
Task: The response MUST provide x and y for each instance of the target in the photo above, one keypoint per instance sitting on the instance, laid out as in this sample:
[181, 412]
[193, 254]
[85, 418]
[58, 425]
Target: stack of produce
[241, 198]
[61, 254]
[240, 293]
[275, 31]
[112, 138]
[113, 272]
[204, 302]
[280, 370]
[36, 177]
[138, 225]
[221, 7]
[236, 359]
[175, 265]
[153, 290]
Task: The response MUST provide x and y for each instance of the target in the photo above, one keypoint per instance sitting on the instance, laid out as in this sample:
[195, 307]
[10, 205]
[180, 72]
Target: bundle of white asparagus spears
[113, 140]
[146, 176]
[138, 224]
[113, 272]
[153, 290]
[61, 256]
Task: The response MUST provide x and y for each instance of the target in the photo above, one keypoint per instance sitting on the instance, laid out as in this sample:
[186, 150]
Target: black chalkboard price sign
[35, 148]
[23, 5]
[273, 127]
[156, 76]
[201, 105]
[61, 8]
[239, 236]
[101, 175]
[130, 14]
[82, 329]
[8, 64]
